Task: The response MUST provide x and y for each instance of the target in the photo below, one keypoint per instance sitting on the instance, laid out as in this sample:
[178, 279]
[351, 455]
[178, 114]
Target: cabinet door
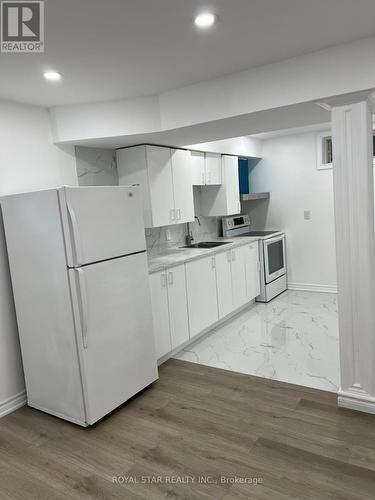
[238, 276]
[161, 185]
[201, 292]
[224, 283]
[177, 300]
[230, 169]
[159, 300]
[213, 169]
[182, 186]
[198, 168]
[252, 271]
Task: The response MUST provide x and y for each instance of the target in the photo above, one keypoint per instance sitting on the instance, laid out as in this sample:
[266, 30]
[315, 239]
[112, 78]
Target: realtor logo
[22, 26]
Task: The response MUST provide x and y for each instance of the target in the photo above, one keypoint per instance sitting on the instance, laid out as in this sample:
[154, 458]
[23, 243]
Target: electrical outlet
[307, 214]
[168, 235]
[148, 232]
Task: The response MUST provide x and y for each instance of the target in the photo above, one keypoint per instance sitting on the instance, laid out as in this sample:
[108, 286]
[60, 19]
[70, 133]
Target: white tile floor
[294, 338]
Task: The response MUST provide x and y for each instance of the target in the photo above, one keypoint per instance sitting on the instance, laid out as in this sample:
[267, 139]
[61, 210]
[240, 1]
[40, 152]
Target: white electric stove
[273, 272]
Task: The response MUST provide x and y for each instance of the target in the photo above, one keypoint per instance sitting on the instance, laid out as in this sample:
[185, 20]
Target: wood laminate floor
[220, 432]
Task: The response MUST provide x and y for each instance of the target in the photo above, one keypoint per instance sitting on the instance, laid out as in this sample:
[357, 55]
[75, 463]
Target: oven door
[274, 258]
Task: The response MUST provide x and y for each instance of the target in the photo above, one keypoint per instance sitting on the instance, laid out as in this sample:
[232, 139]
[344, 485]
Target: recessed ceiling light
[205, 20]
[52, 76]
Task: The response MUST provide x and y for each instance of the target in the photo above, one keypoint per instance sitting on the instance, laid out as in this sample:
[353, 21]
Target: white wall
[288, 171]
[28, 161]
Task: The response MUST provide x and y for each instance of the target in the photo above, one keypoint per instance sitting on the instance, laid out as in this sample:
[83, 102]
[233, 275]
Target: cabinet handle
[233, 255]
[170, 278]
[213, 262]
[178, 214]
[203, 182]
[172, 214]
[163, 279]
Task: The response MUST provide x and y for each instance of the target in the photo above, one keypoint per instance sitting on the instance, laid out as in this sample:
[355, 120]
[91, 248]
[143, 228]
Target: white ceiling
[111, 49]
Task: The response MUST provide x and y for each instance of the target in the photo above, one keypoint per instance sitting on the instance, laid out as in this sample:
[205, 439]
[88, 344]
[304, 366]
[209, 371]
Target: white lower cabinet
[177, 301]
[201, 294]
[224, 283]
[191, 297]
[238, 277]
[169, 308]
[232, 292]
[160, 313]
[252, 270]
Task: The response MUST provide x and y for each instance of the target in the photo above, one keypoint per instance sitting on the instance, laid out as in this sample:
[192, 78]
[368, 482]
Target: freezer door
[113, 316]
[101, 223]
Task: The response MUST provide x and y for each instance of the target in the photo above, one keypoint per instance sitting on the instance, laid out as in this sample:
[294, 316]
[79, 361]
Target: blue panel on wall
[243, 174]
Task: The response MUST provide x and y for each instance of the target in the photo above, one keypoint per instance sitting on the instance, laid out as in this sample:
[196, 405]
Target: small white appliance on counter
[80, 280]
[273, 273]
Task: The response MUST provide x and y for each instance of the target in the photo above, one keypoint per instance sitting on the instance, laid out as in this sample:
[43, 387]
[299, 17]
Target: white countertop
[174, 256]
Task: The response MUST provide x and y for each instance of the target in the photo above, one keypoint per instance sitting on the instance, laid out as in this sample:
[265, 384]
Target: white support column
[355, 249]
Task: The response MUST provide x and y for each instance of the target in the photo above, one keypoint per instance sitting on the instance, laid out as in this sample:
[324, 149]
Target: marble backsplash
[156, 238]
[96, 167]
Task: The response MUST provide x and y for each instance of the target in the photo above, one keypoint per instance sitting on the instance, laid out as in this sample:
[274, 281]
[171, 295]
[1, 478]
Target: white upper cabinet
[165, 177]
[182, 186]
[160, 186]
[232, 184]
[225, 199]
[198, 168]
[206, 168]
[213, 169]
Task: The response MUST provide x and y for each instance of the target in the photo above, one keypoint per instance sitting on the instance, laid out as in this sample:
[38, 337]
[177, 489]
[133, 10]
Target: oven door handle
[269, 241]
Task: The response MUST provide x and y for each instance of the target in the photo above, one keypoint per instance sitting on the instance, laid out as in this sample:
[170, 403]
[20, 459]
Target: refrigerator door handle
[74, 233]
[83, 303]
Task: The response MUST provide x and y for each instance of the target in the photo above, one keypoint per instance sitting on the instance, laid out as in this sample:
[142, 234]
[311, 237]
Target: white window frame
[319, 151]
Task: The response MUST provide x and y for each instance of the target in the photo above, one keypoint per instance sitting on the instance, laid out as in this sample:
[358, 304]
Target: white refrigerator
[79, 272]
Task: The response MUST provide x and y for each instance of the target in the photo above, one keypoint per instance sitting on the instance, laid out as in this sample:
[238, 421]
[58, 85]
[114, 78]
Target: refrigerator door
[112, 308]
[101, 223]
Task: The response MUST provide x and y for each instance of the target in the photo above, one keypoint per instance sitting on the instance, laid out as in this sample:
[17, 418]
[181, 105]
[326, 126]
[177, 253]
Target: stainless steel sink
[207, 244]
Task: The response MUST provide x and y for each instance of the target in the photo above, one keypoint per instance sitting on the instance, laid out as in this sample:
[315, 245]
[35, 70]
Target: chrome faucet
[189, 238]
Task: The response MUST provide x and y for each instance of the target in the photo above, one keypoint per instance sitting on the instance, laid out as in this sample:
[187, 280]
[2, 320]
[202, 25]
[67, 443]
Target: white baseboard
[13, 403]
[312, 287]
[356, 402]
